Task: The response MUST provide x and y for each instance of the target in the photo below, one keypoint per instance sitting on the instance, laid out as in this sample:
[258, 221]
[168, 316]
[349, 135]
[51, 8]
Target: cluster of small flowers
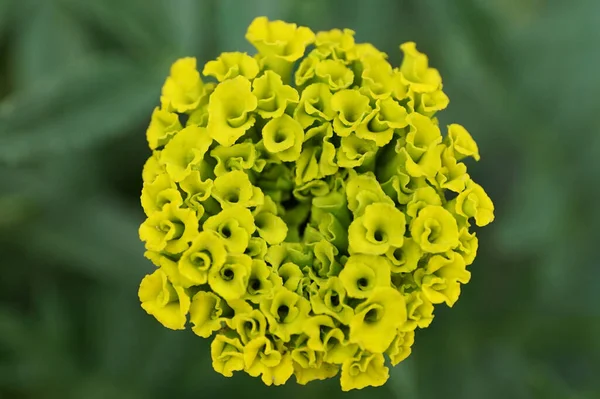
[310, 225]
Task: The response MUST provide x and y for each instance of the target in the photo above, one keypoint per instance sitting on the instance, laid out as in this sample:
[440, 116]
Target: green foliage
[78, 81]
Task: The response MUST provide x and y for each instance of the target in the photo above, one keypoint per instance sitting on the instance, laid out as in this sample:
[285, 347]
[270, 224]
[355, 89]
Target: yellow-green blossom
[283, 137]
[473, 202]
[227, 355]
[334, 73]
[167, 303]
[462, 143]
[230, 279]
[355, 152]
[380, 125]
[304, 208]
[197, 190]
[419, 311]
[362, 274]
[206, 252]
[400, 347]
[183, 88]
[380, 228]
[230, 65]
[351, 108]
[260, 282]
[421, 150]
[377, 77]
[434, 229]
[376, 320]
[317, 159]
[440, 279]
[279, 39]
[235, 189]
[206, 313]
[329, 298]
[416, 71]
[163, 126]
[315, 105]
[286, 313]
[161, 191]
[171, 229]
[230, 111]
[185, 151]
[366, 370]
[405, 258]
[364, 190]
[336, 43]
[234, 225]
[261, 358]
[273, 96]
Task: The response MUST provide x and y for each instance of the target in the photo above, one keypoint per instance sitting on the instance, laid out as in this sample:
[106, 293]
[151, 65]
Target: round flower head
[304, 208]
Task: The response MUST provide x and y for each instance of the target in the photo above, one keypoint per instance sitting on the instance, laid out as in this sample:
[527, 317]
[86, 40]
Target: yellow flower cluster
[304, 208]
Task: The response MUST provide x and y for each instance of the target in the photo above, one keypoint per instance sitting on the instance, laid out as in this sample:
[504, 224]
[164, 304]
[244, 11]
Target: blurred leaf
[190, 27]
[93, 101]
[136, 26]
[108, 248]
[49, 41]
[403, 379]
[13, 331]
[8, 9]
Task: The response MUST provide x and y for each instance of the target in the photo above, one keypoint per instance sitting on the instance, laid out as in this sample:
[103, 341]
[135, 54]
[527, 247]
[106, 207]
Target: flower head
[304, 208]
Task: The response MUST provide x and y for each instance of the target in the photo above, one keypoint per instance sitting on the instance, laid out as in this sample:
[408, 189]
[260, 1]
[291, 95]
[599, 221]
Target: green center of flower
[282, 312]
[374, 314]
[227, 274]
[225, 231]
[201, 259]
[279, 137]
[379, 236]
[254, 286]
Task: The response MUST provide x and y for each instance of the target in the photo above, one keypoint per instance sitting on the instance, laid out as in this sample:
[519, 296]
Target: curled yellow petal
[230, 65]
[230, 279]
[366, 370]
[167, 303]
[163, 126]
[183, 89]
[434, 229]
[171, 229]
[283, 137]
[227, 355]
[474, 202]
[185, 151]
[416, 71]
[374, 325]
[206, 252]
[279, 39]
[230, 111]
[206, 313]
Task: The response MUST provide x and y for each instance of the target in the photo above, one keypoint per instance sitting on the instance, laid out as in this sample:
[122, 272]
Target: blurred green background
[78, 82]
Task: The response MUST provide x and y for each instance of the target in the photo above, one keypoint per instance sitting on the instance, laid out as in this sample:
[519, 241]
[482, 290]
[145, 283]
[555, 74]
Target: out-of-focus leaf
[235, 16]
[557, 66]
[8, 9]
[190, 27]
[48, 42]
[403, 380]
[95, 100]
[108, 248]
[137, 26]
[13, 330]
[544, 218]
